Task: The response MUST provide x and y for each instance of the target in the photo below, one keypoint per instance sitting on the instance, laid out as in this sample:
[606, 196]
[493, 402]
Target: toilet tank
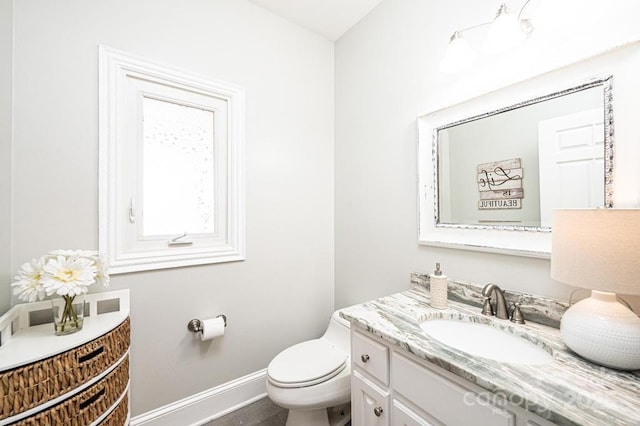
[338, 332]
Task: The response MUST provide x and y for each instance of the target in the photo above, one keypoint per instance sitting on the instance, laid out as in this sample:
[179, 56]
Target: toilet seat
[306, 364]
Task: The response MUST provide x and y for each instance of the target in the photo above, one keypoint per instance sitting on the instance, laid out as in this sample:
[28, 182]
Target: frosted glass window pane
[177, 169]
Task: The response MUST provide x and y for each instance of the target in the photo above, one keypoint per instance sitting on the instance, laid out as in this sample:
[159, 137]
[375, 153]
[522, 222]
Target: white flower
[28, 286]
[102, 276]
[60, 272]
[68, 276]
[102, 273]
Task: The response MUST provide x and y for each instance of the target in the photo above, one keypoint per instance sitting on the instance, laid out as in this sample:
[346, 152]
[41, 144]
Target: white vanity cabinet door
[390, 388]
[370, 356]
[443, 399]
[405, 416]
[526, 418]
[369, 403]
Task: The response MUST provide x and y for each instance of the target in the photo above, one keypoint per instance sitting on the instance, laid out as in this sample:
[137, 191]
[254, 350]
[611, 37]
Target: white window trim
[114, 68]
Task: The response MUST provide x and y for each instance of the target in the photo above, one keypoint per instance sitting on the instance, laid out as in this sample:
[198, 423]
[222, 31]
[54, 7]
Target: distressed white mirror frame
[117, 71]
[621, 63]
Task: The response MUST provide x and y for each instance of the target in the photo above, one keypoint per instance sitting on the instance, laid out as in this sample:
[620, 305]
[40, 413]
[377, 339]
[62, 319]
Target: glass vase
[68, 314]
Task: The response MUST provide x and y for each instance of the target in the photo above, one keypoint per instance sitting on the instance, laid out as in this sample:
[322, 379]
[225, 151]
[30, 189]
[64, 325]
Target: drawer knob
[378, 411]
[364, 358]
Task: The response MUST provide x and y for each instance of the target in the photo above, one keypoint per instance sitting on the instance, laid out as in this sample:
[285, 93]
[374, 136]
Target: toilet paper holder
[195, 325]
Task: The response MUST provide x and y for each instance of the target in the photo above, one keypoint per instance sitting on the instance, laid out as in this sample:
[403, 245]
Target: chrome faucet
[501, 304]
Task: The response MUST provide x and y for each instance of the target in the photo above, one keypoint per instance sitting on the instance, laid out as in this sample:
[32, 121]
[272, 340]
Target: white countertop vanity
[403, 376]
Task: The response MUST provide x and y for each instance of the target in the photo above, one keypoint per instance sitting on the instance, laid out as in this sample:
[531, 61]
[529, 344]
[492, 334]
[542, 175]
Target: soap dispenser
[438, 288]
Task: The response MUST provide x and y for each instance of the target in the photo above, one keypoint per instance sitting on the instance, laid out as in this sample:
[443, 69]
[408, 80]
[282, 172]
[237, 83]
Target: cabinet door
[404, 416]
[369, 403]
[370, 356]
[443, 399]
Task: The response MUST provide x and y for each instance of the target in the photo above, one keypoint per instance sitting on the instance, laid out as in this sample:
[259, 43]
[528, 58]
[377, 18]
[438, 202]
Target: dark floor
[260, 413]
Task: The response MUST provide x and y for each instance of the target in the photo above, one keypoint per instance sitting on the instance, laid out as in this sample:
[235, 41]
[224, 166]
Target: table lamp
[599, 249]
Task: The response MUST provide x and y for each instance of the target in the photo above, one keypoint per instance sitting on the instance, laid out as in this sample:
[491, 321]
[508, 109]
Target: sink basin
[485, 341]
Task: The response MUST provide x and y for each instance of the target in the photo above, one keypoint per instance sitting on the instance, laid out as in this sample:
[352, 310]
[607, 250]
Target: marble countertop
[567, 391]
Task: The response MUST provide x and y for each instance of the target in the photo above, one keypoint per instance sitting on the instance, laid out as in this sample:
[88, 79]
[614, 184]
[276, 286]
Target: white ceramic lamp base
[603, 331]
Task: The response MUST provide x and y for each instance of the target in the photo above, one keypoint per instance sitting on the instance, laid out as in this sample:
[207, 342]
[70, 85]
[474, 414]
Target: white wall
[6, 41]
[387, 75]
[288, 274]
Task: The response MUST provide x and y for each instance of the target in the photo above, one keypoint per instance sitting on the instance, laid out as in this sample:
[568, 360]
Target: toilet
[312, 379]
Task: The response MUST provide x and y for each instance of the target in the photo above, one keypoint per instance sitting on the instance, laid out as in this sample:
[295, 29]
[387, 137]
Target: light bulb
[458, 55]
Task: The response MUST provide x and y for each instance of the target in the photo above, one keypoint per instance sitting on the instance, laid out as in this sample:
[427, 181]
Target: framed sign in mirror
[491, 169]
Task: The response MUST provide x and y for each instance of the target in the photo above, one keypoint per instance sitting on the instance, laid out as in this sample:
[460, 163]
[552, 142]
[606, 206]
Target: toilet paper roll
[212, 328]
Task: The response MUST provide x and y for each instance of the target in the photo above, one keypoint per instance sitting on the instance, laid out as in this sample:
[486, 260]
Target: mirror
[481, 184]
[510, 167]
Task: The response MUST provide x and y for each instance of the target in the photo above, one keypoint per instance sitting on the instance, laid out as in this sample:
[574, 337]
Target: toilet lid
[306, 364]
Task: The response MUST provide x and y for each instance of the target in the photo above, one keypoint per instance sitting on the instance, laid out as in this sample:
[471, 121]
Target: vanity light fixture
[458, 55]
[506, 31]
[599, 249]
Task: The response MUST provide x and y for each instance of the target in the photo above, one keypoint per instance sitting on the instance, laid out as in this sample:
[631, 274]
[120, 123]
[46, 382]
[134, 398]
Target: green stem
[68, 314]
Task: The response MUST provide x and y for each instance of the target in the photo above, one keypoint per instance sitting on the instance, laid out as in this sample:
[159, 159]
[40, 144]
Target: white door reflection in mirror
[177, 169]
[571, 159]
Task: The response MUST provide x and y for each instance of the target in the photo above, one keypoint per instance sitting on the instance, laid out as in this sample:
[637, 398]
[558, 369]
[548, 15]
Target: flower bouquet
[66, 274]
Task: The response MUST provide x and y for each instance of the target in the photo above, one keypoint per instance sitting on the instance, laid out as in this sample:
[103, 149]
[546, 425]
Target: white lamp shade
[598, 249]
[504, 33]
[458, 55]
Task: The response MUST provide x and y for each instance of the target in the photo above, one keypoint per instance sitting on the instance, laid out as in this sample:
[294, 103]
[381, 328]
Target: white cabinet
[405, 416]
[443, 399]
[370, 357]
[369, 403]
[390, 387]
[370, 382]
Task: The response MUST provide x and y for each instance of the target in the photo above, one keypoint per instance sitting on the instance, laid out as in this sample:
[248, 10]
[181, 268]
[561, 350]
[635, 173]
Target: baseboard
[208, 405]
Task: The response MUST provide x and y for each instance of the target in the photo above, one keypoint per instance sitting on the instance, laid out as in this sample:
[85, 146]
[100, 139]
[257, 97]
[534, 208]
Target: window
[171, 166]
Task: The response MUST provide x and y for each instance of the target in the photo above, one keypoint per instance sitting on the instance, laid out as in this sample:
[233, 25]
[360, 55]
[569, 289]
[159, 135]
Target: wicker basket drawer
[87, 406]
[34, 384]
[120, 415]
